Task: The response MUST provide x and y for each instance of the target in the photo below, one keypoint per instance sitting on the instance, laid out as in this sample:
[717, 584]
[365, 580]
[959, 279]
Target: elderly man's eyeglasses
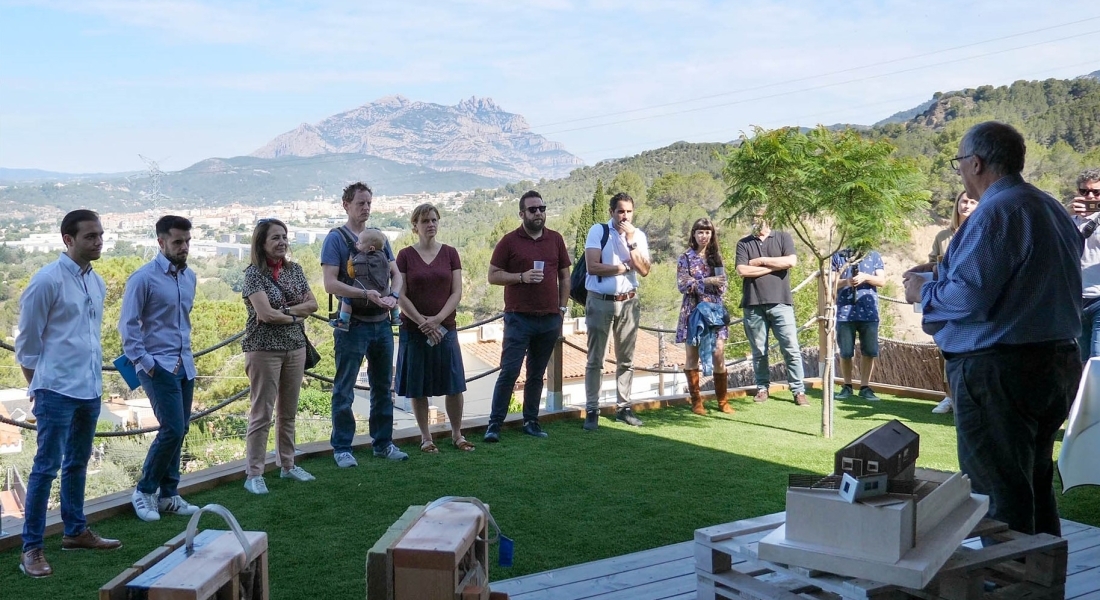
[536, 209]
[1087, 192]
[955, 161]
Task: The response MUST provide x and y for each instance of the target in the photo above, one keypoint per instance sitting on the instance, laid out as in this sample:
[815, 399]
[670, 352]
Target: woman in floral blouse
[278, 300]
[700, 277]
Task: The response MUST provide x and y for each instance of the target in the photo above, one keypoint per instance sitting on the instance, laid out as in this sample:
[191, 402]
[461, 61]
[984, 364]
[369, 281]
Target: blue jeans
[374, 341]
[170, 394]
[846, 338]
[761, 319]
[65, 430]
[532, 336]
[1090, 331]
[1009, 406]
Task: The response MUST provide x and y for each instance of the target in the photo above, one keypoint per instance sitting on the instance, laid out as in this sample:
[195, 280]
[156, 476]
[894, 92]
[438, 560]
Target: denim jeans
[170, 394]
[65, 429]
[1090, 331]
[1008, 409]
[532, 336]
[761, 319]
[605, 320]
[374, 341]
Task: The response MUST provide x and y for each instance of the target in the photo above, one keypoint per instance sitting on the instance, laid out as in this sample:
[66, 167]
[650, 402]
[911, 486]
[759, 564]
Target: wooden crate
[442, 555]
[1031, 566]
[213, 570]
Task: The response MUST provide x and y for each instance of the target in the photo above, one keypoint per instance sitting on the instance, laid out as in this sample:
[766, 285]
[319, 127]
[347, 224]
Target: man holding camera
[1086, 214]
[857, 313]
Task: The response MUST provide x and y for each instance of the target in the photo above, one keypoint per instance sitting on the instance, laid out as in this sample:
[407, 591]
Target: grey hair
[999, 145]
[1087, 176]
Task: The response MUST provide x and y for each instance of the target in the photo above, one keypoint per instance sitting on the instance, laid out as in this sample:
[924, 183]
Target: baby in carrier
[370, 270]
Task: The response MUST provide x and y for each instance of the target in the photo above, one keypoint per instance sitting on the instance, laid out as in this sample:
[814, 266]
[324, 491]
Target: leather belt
[614, 297]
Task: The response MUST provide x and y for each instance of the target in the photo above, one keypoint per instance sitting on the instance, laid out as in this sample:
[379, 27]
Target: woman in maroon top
[429, 361]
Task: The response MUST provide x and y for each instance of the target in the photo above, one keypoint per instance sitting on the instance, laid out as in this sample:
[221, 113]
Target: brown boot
[720, 393]
[693, 390]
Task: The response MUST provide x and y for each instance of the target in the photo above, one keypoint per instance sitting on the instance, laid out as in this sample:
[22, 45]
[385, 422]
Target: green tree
[834, 190]
[629, 182]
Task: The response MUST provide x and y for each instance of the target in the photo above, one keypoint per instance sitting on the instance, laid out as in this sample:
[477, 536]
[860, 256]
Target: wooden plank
[737, 528]
[746, 585]
[115, 589]
[439, 538]
[1082, 539]
[208, 568]
[379, 559]
[669, 576]
[593, 570]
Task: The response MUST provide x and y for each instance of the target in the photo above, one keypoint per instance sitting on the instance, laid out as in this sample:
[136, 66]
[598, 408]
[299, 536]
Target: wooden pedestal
[443, 556]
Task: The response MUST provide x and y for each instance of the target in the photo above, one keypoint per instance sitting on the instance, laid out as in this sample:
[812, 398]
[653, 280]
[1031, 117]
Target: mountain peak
[474, 136]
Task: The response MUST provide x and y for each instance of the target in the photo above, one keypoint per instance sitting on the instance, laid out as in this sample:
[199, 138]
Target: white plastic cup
[540, 265]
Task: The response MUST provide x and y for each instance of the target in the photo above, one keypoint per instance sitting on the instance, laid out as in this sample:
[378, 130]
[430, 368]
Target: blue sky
[87, 85]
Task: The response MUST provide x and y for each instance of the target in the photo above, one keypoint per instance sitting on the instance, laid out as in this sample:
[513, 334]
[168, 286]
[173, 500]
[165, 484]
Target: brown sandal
[463, 445]
[428, 447]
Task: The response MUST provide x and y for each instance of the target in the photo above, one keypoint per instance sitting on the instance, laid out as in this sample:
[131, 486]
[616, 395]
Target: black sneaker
[591, 420]
[844, 393]
[626, 415]
[867, 394]
[492, 433]
[532, 428]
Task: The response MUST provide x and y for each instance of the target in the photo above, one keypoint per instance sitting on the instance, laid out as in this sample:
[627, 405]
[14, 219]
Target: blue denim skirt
[424, 371]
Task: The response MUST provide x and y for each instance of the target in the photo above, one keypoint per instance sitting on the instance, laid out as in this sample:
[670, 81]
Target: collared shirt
[862, 305]
[773, 287]
[614, 253]
[155, 322]
[1012, 274]
[517, 252]
[60, 324]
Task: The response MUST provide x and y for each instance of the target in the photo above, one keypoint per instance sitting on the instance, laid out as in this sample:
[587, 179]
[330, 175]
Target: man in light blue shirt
[1005, 309]
[155, 324]
[58, 348]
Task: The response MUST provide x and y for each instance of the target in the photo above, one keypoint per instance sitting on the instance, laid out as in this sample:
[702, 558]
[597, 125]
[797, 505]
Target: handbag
[313, 357]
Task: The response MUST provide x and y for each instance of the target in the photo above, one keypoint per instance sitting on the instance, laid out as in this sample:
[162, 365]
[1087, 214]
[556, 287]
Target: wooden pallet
[1019, 566]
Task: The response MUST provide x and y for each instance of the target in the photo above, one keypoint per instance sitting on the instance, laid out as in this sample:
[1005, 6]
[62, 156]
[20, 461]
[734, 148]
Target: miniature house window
[872, 466]
[846, 464]
[847, 486]
[871, 485]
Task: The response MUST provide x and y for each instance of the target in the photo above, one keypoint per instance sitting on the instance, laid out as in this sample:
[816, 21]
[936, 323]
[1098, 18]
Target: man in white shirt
[59, 350]
[612, 307]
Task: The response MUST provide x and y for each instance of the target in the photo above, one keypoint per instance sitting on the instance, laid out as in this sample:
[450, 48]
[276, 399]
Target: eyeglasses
[955, 161]
[1085, 192]
[536, 209]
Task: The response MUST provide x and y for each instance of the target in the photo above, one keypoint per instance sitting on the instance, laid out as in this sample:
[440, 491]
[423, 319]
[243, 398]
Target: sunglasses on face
[536, 209]
[1094, 193]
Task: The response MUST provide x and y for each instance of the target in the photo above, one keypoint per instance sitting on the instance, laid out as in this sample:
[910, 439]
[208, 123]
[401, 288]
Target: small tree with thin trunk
[833, 190]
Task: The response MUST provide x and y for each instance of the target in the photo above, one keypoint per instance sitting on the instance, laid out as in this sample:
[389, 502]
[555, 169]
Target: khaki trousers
[276, 380]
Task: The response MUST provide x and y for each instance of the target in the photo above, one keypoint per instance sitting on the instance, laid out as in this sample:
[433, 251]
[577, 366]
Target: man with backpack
[616, 252]
[369, 335]
[532, 264]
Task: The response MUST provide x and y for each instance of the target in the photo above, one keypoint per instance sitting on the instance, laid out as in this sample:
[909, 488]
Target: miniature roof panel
[887, 439]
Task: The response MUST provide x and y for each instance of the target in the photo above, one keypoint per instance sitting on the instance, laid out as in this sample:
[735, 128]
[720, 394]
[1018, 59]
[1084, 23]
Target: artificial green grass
[571, 498]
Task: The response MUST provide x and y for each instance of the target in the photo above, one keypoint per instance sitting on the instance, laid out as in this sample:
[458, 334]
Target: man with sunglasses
[1086, 213]
[1005, 309]
[532, 264]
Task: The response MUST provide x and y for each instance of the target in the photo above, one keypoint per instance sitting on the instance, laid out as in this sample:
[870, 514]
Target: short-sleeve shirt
[775, 287]
[428, 286]
[517, 252]
[615, 252]
[274, 337]
[335, 252]
[861, 303]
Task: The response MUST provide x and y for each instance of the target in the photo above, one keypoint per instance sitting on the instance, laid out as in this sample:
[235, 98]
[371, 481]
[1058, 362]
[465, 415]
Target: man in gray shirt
[1086, 213]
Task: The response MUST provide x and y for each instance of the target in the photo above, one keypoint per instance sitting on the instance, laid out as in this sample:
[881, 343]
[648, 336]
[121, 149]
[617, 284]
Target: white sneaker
[345, 460]
[145, 505]
[296, 473]
[391, 453]
[256, 485]
[945, 406]
[175, 505]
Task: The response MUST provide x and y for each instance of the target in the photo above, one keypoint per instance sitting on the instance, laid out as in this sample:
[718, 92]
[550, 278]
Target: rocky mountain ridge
[474, 136]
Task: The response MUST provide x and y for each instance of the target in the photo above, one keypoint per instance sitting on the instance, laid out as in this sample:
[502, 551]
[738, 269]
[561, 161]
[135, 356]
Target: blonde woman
[429, 361]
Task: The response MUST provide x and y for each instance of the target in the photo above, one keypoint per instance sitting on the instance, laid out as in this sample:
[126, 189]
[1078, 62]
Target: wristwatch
[632, 246]
[562, 309]
[286, 310]
[396, 295]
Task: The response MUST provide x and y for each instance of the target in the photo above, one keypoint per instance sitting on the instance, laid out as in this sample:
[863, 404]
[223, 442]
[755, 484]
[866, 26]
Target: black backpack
[577, 291]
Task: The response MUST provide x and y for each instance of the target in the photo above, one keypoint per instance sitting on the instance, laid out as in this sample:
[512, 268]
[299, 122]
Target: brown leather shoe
[800, 399]
[761, 395]
[89, 540]
[33, 563]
